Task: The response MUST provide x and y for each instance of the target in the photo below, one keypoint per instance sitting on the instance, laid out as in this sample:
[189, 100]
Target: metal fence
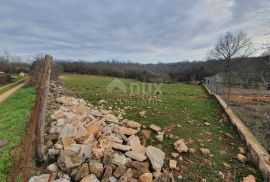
[33, 140]
[248, 94]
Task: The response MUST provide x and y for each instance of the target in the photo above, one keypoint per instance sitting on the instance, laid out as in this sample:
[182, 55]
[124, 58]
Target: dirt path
[14, 83]
[11, 91]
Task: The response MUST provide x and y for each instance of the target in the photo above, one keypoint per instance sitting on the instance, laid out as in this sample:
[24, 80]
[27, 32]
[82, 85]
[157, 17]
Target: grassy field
[183, 104]
[14, 113]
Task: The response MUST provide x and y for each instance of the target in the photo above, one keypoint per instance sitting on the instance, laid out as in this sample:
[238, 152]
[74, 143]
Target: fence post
[43, 91]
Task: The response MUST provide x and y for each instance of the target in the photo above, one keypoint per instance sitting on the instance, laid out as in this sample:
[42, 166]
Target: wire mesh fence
[23, 157]
[248, 94]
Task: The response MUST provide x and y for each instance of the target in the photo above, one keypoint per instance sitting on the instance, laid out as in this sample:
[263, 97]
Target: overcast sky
[137, 30]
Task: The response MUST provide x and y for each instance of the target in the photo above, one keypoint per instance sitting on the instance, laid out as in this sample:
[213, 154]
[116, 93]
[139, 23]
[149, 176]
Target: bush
[5, 78]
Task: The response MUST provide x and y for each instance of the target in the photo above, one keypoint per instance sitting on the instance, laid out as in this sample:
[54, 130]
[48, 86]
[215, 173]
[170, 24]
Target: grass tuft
[14, 113]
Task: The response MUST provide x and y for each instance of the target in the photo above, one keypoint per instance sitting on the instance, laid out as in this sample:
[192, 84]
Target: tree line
[161, 72]
[165, 72]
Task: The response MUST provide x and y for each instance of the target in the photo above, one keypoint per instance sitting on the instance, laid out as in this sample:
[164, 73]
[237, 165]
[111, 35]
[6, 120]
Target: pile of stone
[55, 89]
[90, 144]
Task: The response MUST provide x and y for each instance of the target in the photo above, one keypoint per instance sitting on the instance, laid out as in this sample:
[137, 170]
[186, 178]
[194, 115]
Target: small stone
[159, 137]
[138, 168]
[119, 160]
[98, 152]
[155, 127]
[49, 144]
[191, 150]
[65, 176]
[120, 146]
[180, 177]
[112, 179]
[249, 178]
[93, 128]
[60, 122]
[173, 164]
[96, 168]
[107, 173]
[133, 124]
[252, 170]
[206, 124]
[53, 167]
[61, 180]
[222, 152]
[116, 139]
[58, 146]
[205, 151]
[111, 118]
[145, 134]
[174, 155]
[107, 159]
[227, 166]
[67, 141]
[53, 152]
[126, 176]
[41, 178]
[221, 175]
[142, 113]
[69, 159]
[85, 150]
[136, 156]
[75, 148]
[119, 171]
[127, 131]
[180, 146]
[156, 157]
[242, 150]
[135, 144]
[102, 101]
[242, 158]
[68, 131]
[157, 174]
[90, 178]
[228, 135]
[165, 177]
[146, 177]
[83, 171]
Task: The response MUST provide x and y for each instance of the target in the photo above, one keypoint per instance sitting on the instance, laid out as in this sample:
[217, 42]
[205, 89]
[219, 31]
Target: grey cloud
[143, 30]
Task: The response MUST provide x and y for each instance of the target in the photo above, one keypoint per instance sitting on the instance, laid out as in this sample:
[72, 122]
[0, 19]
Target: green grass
[14, 113]
[187, 105]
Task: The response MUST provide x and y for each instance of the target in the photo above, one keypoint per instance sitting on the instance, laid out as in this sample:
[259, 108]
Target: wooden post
[43, 91]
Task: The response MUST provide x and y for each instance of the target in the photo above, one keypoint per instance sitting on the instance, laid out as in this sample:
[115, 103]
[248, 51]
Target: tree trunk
[227, 82]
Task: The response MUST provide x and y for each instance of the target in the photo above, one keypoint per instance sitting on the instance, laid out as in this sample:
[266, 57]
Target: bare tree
[229, 47]
[3, 63]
